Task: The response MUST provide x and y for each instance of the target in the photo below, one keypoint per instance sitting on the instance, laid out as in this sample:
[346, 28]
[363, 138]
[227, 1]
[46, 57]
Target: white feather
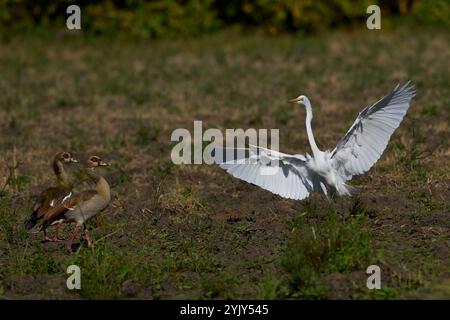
[324, 172]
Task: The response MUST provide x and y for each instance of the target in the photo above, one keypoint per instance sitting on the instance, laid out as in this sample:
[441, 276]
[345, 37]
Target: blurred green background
[175, 18]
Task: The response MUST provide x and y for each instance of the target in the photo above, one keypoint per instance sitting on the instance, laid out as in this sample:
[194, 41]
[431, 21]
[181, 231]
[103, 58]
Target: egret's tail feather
[351, 190]
[346, 190]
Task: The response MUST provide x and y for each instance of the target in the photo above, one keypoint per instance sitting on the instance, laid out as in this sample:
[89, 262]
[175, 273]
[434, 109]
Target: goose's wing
[279, 173]
[48, 199]
[70, 202]
[369, 135]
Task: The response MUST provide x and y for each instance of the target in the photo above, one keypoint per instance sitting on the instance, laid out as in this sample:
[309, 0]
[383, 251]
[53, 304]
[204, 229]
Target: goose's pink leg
[55, 238]
[72, 238]
[46, 238]
[87, 238]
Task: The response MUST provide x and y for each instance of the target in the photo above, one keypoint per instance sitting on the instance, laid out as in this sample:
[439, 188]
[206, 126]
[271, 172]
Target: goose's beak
[295, 100]
[103, 163]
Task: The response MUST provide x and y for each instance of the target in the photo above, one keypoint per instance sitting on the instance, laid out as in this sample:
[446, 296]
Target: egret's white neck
[315, 150]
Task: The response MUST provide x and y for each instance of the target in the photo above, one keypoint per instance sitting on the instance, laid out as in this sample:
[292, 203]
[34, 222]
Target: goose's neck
[60, 173]
[101, 185]
[312, 142]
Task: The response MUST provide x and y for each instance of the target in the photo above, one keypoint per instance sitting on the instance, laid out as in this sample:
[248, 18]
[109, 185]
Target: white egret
[325, 171]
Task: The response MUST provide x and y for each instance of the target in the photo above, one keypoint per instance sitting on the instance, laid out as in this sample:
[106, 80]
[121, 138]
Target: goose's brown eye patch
[66, 155]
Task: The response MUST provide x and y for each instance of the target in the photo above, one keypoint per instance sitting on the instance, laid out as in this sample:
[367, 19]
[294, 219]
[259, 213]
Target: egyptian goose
[80, 207]
[53, 196]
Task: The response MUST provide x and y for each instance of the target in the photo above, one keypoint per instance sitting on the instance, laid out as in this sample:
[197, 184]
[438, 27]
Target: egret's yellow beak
[295, 100]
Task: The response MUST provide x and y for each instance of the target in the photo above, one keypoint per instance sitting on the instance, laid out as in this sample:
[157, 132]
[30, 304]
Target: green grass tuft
[322, 247]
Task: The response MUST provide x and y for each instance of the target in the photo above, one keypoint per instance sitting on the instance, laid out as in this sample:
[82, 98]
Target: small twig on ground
[15, 165]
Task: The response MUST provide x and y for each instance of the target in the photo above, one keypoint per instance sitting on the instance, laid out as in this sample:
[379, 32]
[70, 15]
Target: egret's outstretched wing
[280, 173]
[369, 135]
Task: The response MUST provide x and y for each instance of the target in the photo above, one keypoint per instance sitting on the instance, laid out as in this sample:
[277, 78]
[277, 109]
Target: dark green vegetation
[193, 231]
[175, 18]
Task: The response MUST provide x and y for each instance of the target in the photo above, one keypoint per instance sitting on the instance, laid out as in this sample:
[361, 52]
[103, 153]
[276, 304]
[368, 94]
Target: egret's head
[300, 100]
